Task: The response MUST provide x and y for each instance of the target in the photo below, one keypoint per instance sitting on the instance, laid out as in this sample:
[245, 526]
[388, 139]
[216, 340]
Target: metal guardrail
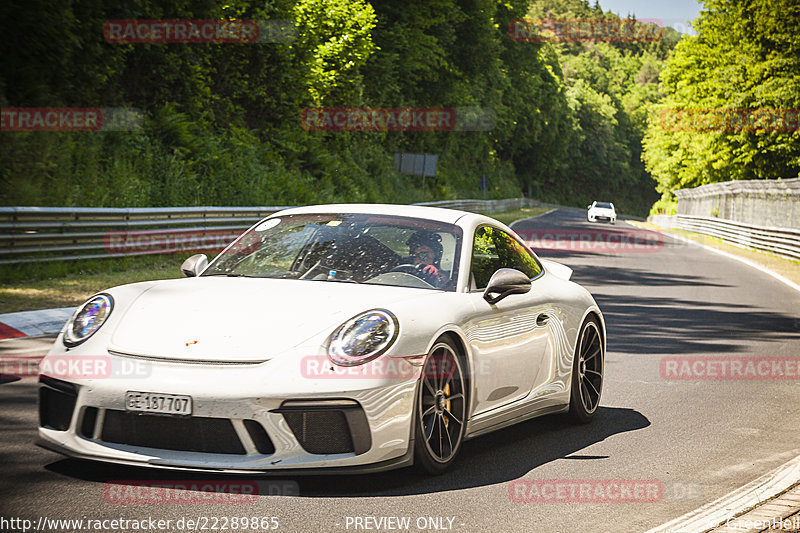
[484, 206]
[784, 242]
[35, 234]
[38, 234]
[496, 206]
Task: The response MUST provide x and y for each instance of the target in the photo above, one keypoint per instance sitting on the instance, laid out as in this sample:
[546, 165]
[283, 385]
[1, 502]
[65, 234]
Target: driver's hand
[430, 274]
[430, 271]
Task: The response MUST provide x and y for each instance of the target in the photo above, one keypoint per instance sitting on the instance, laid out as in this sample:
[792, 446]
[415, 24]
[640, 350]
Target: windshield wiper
[229, 274]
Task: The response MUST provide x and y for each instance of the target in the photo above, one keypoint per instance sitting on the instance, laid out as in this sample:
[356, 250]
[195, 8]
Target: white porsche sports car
[326, 339]
[601, 211]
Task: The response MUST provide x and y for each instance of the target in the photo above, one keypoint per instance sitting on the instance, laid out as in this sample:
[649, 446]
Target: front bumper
[247, 402]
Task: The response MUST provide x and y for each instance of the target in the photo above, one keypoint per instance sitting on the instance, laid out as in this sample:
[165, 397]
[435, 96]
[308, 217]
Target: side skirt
[488, 422]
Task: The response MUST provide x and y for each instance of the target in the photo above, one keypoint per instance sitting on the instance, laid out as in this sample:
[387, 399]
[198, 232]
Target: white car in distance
[601, 211]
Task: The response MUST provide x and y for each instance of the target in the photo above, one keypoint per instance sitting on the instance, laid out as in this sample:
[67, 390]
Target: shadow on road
[499, 457]
[658, 325]
[594, 276]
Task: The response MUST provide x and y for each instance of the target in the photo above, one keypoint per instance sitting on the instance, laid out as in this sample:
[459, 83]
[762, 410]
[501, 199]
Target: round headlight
[88, 319]
[363, 338]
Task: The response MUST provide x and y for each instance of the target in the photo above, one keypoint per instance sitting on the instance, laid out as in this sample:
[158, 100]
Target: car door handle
[542, 319]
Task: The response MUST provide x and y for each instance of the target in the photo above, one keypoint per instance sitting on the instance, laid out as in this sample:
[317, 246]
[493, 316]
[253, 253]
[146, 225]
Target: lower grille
[328, 426]
[56, 403]
[321, 432]
[190, 434]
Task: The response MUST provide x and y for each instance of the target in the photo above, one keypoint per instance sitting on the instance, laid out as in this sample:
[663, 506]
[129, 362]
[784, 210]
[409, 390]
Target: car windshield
[354, 248]
[603, 205]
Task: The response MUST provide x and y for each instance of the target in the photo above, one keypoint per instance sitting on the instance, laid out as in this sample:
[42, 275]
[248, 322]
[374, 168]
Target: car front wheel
[441, 408]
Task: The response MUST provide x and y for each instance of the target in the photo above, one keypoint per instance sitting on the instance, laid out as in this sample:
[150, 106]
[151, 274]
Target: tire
[440, 408]
[587, 372]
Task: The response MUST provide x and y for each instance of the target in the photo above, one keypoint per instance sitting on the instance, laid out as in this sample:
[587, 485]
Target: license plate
[152, 402]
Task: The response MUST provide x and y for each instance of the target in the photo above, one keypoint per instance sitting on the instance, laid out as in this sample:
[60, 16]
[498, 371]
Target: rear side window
[494, 249]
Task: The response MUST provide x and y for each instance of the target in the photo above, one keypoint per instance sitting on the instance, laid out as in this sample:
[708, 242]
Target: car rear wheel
[441, 408]
[587, 372]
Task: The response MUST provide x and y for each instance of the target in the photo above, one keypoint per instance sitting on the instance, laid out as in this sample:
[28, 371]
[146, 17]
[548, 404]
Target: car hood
[241, 319]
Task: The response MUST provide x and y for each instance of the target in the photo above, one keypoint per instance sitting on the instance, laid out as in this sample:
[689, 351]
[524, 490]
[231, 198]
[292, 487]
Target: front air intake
[328, 427]
[56, 403]
[187, 434]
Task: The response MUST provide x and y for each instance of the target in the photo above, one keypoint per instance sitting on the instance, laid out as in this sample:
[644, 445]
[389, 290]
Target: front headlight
[88, 319]
[363, 338]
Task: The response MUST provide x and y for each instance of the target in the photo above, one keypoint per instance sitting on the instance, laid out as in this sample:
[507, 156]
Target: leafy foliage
[745, 56]
[223, 125]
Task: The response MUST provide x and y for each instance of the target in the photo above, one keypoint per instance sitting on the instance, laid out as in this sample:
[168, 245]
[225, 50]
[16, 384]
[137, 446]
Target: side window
[485, 259]
[494, 249]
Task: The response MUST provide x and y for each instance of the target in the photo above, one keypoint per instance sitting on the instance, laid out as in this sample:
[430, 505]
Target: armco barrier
[784, 242]
[769, 203]
[36, 234]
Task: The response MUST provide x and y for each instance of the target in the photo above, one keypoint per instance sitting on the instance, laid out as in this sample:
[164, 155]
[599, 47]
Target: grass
[74, 288]
[507, 217]
[67, 284]
[785, 267]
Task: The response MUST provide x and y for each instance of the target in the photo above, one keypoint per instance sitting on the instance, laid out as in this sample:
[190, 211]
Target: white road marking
[747, 262]
[735, 503]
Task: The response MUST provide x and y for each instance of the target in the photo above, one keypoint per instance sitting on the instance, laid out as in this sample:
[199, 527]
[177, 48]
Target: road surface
[699, 439]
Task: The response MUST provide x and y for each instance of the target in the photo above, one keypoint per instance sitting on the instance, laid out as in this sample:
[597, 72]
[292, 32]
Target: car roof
[439, 214]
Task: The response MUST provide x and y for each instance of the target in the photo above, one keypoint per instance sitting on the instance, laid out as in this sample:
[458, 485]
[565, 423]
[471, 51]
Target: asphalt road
[699, 439]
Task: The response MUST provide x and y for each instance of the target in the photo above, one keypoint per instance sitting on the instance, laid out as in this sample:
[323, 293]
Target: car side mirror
[588, 206]
[194, 265]
[504, 282]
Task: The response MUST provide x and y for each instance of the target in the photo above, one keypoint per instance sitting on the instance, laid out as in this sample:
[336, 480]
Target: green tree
[745, 56]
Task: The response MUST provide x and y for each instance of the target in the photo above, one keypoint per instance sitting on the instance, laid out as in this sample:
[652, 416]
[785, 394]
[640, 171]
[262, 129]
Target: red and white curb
[33, 323]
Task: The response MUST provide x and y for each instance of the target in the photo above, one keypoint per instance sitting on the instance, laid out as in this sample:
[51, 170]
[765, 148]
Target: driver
[425, 249]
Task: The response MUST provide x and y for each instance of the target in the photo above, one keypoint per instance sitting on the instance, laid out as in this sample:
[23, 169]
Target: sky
[674, 13]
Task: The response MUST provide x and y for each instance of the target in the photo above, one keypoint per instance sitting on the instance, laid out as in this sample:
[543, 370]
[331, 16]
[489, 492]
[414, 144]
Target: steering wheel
[406, 268]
